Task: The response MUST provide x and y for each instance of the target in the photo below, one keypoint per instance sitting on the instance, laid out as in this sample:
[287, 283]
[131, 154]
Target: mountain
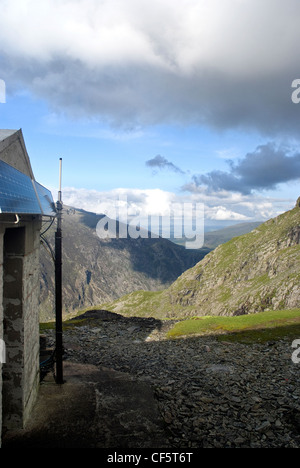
[99, 270]
[248, 274]
[213, 239]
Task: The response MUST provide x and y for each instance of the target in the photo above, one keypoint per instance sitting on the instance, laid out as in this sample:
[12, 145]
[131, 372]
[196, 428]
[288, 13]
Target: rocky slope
[97, 270]
[251, 273]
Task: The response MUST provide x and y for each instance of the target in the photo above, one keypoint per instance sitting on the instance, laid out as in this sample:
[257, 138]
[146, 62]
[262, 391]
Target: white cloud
[221, 213]
[153, 202]
[144, 203]
[93, 32]
[181, 34]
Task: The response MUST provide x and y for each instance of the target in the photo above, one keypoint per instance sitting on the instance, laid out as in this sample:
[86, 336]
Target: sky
[161, 102]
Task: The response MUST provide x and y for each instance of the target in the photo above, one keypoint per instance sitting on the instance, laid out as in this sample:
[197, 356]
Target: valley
[251, 273]
[98, 271]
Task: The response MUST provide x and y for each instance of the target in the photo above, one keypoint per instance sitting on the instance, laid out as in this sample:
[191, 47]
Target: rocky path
[209, 393]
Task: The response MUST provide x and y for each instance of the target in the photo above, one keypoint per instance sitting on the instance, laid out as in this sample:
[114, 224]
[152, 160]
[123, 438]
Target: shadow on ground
[94, 408]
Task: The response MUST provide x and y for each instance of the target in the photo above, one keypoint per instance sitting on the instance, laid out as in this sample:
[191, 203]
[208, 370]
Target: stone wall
[31, 290]
[19, 287]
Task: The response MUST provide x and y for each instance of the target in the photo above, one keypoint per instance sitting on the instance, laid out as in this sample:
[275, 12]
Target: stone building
[25, 206]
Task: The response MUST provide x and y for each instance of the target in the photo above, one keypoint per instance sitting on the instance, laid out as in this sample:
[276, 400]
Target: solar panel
[46, 200]
[19, 195]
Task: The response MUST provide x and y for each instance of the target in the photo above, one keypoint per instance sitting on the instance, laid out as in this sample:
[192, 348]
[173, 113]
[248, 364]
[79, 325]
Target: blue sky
[173, 101]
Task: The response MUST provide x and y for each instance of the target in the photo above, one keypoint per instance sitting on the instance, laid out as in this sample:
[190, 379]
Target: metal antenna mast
[58, 284]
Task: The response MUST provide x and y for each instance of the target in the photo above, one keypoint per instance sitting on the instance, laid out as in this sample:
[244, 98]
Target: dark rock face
[294, 235]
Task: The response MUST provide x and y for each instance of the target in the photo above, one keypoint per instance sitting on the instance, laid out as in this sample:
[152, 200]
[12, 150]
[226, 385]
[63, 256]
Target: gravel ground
[209, 393]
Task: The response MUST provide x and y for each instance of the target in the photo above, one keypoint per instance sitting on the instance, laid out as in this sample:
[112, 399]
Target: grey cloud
[162, 163]
[264, 169]
[169, 74]
[139, 95]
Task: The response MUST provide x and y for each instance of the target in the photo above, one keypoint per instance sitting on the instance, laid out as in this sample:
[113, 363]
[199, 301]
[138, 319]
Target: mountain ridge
[248, 274]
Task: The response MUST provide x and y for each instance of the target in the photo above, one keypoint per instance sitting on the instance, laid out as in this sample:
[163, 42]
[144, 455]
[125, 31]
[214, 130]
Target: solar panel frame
[46, 200]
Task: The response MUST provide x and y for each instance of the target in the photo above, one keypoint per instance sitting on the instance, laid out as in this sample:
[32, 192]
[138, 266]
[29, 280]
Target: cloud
[162, 163]
[222, 213]
[263, 169]
[226, 63]
[233, 207]
[148, 202]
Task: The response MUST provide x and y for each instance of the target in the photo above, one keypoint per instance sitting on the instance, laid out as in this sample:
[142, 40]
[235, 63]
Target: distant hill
[248, 274]
[96, 271]
[214, 238]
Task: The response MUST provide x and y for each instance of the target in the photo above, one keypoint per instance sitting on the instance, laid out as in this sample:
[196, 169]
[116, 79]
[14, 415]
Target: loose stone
[209, 393]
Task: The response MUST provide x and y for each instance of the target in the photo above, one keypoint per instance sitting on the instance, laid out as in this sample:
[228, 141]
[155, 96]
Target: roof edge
[10, 137]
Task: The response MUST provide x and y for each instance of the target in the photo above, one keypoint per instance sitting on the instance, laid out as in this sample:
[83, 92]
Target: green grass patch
[264, 326]
[68, 324]
[47, 326]
[140, 303]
